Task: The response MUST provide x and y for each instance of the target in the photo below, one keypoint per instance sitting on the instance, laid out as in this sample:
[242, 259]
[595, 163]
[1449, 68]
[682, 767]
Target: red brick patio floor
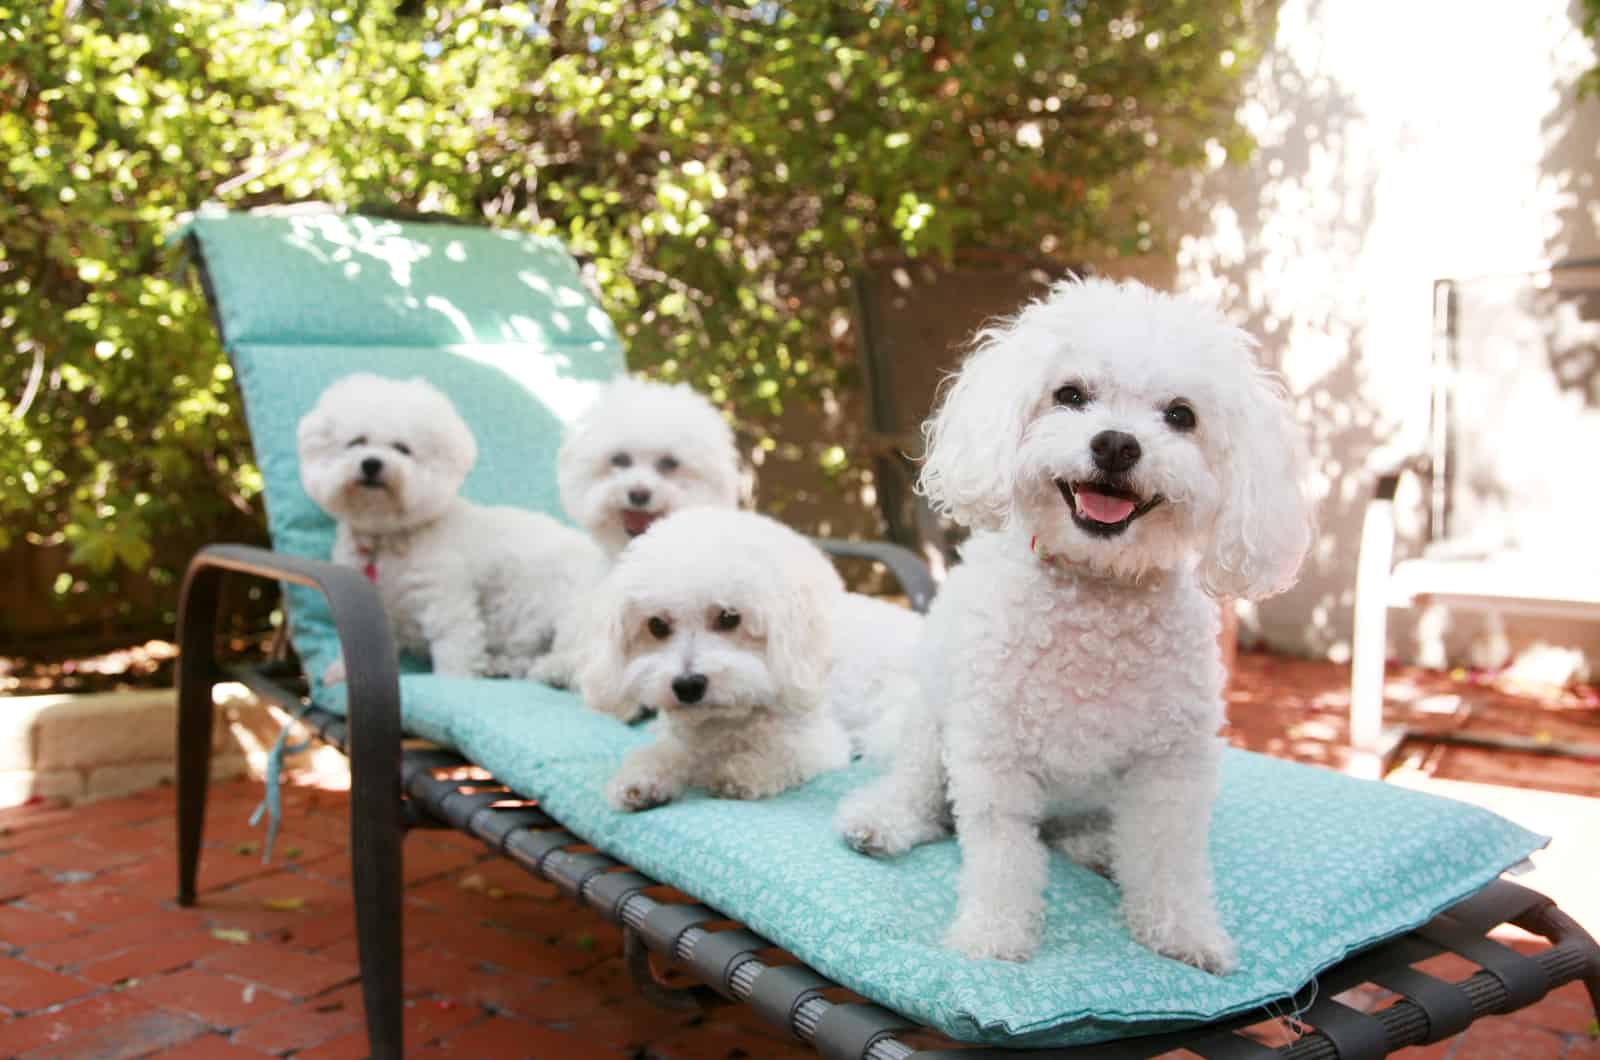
[97, 961]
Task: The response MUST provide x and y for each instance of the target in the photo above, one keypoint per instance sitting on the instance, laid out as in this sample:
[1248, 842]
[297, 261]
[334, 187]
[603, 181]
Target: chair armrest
[1389, 475]
[371, 660]
[372, 665]
[907, 567]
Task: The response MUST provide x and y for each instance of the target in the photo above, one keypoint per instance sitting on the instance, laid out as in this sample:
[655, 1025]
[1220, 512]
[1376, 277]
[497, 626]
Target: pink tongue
[1102, 508]
[636, 522]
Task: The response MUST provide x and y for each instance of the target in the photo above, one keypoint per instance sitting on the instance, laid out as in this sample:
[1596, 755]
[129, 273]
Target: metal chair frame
[394, 789]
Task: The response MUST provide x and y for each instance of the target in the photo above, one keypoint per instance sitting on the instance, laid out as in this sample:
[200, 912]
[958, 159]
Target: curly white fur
[480, 590]
[1071, 684]
[739, 633]
[642, 451]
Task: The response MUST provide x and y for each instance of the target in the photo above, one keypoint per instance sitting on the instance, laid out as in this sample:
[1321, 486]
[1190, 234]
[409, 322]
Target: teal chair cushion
[1310, 865]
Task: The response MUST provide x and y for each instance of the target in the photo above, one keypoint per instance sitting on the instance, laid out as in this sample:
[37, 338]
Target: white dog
[480, 590]
[729, 624]
[642, 451]
[1124, 463]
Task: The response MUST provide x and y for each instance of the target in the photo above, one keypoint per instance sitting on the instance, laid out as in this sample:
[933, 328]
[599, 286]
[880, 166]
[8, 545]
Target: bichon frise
[727, 623]
[642, 451]
[1124, 463]
[479, 590]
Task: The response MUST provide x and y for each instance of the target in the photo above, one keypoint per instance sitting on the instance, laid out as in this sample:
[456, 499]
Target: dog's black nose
[638, 498]
[689, 688]
[371, 466]
[1114, 450]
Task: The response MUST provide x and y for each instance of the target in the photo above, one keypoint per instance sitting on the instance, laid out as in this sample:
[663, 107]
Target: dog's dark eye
[727, 620]
[402, 448]
[621, 460]
[667, 465]
[659, 628]
[1179, 416]
[359, 439]
[1071, 397]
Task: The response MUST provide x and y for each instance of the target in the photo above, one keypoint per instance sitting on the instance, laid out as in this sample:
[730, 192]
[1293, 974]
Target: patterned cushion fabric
[1310, 865]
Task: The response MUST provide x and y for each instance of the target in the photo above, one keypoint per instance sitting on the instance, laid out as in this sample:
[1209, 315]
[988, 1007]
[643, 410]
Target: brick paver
[97, 960]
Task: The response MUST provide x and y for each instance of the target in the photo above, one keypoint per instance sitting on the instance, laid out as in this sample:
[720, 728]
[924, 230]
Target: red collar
[1045, 557]
[370, 567]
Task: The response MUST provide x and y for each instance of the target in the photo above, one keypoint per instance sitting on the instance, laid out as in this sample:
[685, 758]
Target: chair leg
[1370, 636]
[197, 677]
[377, 830]
[380, 943]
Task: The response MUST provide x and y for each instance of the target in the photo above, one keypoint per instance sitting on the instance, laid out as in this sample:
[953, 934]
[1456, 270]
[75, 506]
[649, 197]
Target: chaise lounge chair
[1326, 882]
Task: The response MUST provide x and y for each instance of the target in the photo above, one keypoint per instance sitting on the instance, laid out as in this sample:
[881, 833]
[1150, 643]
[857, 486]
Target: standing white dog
[480, 590]
[1124, 462]
[723, 622]
[642, 451]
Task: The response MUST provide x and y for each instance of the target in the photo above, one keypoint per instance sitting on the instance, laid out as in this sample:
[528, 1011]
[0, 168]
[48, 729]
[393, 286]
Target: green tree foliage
[723, 165]
[1589, 83]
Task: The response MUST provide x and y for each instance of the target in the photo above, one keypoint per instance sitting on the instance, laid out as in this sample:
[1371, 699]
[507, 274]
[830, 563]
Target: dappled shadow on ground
[1299, 709]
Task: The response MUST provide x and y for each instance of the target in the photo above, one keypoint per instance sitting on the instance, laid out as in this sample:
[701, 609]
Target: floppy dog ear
[1266, 522]
[799, 628]
[459, 449]
[969, 467]
[316, 428]
[603, 635]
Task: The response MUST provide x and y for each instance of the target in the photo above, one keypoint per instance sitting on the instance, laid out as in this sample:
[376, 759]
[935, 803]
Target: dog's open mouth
[1104, 509]
[635, 521]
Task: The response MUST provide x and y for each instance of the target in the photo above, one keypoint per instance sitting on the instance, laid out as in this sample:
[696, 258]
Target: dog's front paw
[743, 787]
[987, 936]
[334, 674]
[462, 667]
[1207, 948]
[550, 671]
[881, 829]
[632, 792]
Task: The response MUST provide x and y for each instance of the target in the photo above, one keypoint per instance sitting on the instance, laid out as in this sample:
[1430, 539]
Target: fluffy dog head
[710, 615]
[384, 454]
[641, 452]
[1127, 431]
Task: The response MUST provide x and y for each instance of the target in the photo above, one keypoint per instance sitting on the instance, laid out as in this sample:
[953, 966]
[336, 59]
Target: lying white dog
[642, 451]
[729, 624]
[1125, 463]
[479, 590]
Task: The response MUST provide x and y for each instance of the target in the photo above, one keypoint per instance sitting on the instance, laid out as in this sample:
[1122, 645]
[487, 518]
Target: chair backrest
[500, 321]
[914, 322]
[1516, 408]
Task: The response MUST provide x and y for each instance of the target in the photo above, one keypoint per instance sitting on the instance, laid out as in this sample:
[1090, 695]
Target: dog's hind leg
[1084, 838]
[906, 806]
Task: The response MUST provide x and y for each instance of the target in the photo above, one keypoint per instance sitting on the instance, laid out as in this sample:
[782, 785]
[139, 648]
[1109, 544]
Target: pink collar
[370, 567]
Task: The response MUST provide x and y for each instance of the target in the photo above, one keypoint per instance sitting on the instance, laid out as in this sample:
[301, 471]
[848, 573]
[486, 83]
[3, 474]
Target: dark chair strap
[1499, 903]
[664, 925]
[1446, 1006]
[607, 893]
[846, 1032]
[531, 848]
[716, 955]
[1525, 981]
[779, 991]
[1355, 1035]
[1227, 1046]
